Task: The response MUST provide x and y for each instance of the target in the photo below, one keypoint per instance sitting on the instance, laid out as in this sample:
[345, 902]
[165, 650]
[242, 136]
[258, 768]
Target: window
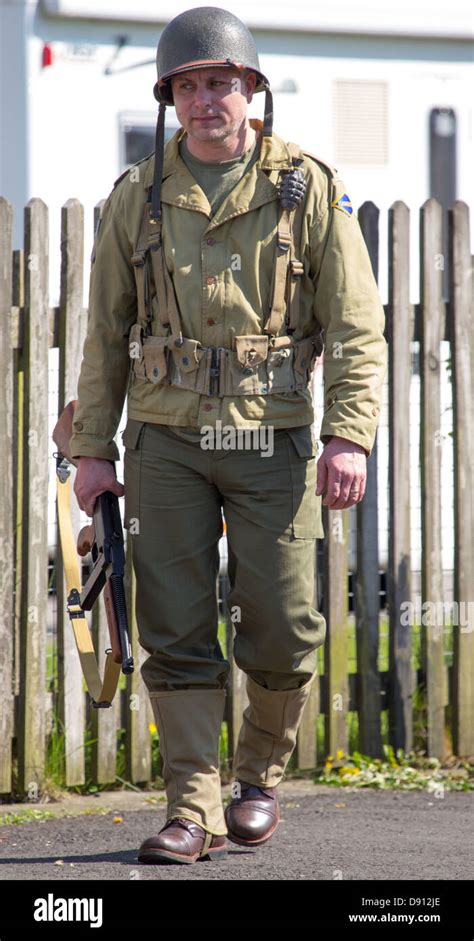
[137, 136]
[360, 122]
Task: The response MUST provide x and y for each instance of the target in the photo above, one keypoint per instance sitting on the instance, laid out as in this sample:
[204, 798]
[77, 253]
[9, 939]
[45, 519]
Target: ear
[250, 83]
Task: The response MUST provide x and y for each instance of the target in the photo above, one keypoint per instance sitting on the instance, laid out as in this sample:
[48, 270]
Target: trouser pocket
[132, 438]
[302, 450]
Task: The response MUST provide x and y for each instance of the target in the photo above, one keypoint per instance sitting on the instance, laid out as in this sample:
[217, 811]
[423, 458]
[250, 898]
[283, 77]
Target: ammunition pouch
[258, 365]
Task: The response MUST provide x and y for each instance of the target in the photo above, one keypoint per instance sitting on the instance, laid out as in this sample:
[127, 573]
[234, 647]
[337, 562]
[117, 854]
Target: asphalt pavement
[324, 834]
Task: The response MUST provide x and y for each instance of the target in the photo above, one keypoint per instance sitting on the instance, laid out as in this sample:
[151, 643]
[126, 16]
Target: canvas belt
[259, 365]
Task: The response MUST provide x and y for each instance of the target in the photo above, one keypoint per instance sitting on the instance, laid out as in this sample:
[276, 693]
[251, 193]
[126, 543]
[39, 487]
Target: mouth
[211, 117]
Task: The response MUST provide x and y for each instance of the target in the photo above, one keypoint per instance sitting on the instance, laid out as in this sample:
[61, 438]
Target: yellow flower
[349, 770]
[340, 754]
[328, 765]
[152, 728]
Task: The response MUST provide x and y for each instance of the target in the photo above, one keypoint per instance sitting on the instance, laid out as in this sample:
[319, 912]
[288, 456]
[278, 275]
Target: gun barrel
[118, 594]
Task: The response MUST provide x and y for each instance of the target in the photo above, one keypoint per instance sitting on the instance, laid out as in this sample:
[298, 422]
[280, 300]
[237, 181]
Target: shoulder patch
[344, 204]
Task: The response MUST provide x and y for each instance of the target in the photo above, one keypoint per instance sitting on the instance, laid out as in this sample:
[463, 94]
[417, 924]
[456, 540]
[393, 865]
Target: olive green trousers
[175, 496]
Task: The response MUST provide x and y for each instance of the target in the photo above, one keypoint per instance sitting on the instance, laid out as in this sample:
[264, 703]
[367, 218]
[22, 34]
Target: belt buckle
[215, 369]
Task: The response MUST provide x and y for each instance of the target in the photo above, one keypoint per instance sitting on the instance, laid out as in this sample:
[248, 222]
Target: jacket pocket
[132, 438]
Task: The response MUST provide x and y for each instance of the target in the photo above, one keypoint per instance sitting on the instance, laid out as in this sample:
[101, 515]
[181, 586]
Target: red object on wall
[47, 55]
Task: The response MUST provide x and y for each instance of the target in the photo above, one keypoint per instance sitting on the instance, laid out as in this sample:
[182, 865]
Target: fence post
[366, 593]
[34, 500]
[336, 527]
[431, 335]
[6, 500]
[71, 332]
[461, 331]
[399, 332]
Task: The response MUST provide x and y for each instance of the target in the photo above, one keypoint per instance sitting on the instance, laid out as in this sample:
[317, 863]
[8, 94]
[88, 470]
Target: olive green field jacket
[222, 268]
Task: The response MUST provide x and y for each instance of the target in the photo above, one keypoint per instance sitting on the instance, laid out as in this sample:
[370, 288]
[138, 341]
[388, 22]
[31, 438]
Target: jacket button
[210, 322]
[207, 408]
[210, 280]
[210, 241]
[78, 425]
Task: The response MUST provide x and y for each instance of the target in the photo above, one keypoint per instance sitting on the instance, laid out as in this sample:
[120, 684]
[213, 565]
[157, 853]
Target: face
[211, 103]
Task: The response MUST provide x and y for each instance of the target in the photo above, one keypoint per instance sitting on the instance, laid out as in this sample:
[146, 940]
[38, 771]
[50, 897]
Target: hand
[342, 473]
[95, 475]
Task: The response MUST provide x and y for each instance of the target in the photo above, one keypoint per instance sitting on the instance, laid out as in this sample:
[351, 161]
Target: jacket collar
[179, 188]
[274, 154]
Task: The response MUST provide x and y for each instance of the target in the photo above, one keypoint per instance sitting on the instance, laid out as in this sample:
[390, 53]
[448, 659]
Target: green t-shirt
[217, 179]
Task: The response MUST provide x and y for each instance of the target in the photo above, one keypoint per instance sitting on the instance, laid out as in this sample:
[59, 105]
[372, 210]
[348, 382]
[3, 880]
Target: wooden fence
[29, 327]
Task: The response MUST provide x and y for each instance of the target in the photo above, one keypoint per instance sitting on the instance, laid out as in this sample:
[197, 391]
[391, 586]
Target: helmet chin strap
[268, 117]
[155, 210]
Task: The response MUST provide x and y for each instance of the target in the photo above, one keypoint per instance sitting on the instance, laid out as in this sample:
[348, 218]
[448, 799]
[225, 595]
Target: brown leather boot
[182, 841]
[253, 817]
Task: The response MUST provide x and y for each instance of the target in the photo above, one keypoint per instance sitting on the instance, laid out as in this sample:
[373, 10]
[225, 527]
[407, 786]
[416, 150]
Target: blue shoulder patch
[344, 204]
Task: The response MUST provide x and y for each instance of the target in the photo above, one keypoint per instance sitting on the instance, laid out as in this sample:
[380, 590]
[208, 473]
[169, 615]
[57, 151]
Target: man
[218, 266]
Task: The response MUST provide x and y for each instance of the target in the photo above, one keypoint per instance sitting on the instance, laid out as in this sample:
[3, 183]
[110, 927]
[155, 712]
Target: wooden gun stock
[87, 542]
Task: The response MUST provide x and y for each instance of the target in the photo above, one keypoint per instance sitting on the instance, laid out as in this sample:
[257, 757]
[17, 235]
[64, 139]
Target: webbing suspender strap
[287, 269]
[280, 274]
[142, 274]
[103, 690]
[150, 241]
[167, 304]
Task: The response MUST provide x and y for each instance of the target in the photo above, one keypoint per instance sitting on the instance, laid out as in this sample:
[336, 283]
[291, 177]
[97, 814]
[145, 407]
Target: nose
[202, 97]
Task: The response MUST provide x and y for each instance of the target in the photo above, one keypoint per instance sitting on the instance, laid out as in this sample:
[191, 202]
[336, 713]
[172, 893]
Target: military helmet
[197, 39]
[203, 37]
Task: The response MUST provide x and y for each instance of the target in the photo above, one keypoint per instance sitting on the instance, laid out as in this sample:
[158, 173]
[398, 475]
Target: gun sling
[101, 690]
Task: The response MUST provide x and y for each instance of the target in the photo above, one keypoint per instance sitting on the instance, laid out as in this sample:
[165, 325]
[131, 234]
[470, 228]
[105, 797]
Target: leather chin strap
[103, 690]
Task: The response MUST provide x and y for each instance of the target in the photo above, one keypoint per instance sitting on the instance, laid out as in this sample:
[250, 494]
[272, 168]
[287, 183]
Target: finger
[322, 475]
[348, 491]
[354, 496]
[78, 498]
[333, 488]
